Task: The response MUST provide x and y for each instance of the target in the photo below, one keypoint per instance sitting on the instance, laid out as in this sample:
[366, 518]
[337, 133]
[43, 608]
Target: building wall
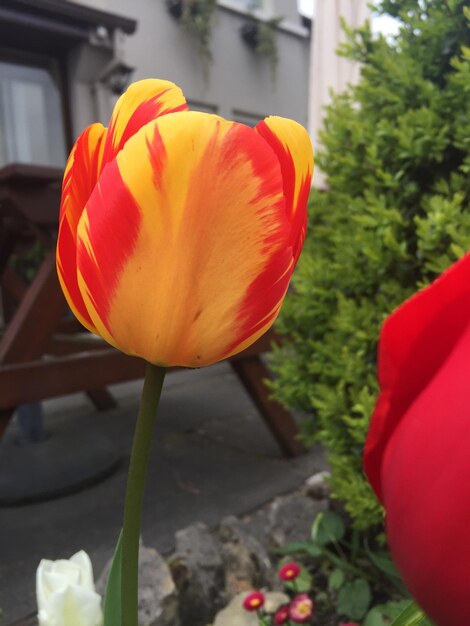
[239, 84]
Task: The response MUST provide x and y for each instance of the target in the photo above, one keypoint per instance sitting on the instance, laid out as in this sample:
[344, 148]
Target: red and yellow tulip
[179, 231]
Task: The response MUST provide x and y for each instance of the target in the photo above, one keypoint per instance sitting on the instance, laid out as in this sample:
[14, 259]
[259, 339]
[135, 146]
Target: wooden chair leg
[252, 372]
[102, 399]
[5, 417]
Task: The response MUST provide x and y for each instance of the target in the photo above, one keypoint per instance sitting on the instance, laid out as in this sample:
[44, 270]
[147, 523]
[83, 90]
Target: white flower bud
[66, 593]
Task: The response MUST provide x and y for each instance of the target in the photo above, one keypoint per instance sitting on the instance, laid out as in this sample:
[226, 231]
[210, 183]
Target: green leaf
[411, 616]
[383, 614]
[328, 527]
[354, 598]
[375, 617]
[336, 579]
[302, 584]
[112, 597]
[303, 581]
[300, 547]
[383, 562]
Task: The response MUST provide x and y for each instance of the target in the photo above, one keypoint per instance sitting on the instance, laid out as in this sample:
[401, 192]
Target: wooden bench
[44, 352]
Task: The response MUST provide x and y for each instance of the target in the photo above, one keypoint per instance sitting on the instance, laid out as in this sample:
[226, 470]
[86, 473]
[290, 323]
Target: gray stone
[198, 571]
[274, 600]
[235, 615]
[247, 564]
[158, 600]
[291, 518]
[256, 524]
[317, 487]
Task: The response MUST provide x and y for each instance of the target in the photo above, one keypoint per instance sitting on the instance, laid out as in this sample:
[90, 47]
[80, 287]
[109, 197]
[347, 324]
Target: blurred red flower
[301, 608]
[289, 571]
[417, 454]
[253, 601]
[282, 615]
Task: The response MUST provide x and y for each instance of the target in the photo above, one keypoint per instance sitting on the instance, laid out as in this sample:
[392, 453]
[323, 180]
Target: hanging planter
[197, 17]
[261, 37]
[175, 8]
[249, 33]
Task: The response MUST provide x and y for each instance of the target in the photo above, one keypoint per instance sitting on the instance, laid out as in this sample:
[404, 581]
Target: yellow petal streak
[153, 97]
[80, 176]
[296, 142]
[81, 173]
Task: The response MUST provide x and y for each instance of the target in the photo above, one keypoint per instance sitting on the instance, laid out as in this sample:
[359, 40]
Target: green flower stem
[345, 565]
[355, 539]
[153, 384]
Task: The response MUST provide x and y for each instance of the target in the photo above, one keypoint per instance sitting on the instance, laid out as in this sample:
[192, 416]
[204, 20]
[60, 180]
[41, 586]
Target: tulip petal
[425, 473]
[199, 224]
[293, 148]
[83, 562]
[72, 606]
[42, 593]
[414, 342]
[81, 173]
[144, 101]
[416, 454]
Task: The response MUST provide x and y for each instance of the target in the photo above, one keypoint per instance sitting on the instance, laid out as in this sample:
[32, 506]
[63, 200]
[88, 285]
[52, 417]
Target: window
[31, 121]
[250, 119]
[196, 105]
[249, 5]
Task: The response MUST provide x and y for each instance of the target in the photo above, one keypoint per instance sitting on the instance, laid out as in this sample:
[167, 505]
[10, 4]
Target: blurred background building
[63, 64]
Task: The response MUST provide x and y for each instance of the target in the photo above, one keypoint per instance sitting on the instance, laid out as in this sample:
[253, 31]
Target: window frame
[57, 68]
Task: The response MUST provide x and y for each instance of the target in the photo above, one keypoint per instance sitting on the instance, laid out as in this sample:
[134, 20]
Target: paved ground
[213, 457]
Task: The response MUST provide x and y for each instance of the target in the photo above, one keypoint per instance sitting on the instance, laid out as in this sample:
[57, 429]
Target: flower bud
[66, 594]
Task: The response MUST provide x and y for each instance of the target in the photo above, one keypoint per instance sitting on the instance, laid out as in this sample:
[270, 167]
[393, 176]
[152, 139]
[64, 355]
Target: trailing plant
[267, 42]
[397, 159]
[261, 35]
[198, 18]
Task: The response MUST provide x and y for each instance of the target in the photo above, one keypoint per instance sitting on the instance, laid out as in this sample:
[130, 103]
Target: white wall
[239, 79]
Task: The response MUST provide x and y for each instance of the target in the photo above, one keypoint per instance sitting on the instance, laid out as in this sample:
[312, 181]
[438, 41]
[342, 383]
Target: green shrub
[397, 158]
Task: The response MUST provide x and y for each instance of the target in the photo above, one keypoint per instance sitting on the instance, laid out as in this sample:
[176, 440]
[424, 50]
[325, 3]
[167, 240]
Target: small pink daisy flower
[301, 608]
[289, 571]
[253, 601]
